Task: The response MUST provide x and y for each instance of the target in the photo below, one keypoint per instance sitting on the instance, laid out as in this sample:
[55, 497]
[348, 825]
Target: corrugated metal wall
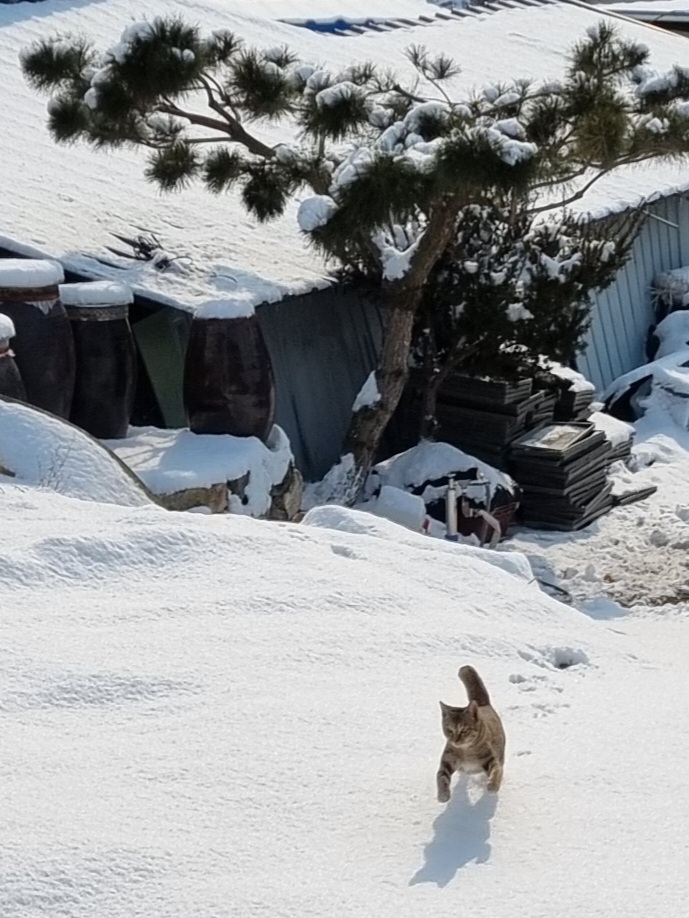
[323, 346]
[622, 313]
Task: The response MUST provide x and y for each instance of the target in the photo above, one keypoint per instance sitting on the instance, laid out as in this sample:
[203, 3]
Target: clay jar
[228, 376]
[105, 352]
[43, 346]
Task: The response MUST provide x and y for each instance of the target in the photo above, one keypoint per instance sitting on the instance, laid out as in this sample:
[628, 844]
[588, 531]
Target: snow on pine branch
[315, 212]
[394, 256]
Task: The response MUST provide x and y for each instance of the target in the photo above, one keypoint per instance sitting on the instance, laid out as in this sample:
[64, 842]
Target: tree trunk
[401, 301]
[434, 382]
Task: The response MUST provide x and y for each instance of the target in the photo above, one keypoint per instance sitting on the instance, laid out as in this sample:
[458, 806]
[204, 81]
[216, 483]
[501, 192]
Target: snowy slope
[43, 451]
[66, 201]
[215, 717]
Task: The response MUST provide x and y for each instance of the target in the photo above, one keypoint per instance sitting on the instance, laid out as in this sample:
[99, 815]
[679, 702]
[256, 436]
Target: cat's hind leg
[493, 770]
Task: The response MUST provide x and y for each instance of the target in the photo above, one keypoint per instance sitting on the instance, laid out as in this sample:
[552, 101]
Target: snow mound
[433, 462]
[359, 522]
[43, 451]
[672, 333]
[175, 460]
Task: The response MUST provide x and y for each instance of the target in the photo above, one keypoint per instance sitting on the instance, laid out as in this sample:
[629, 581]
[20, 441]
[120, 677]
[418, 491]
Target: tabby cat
[475, 737]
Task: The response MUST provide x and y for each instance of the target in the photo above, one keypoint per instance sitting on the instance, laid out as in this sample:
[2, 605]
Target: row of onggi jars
[69, 349]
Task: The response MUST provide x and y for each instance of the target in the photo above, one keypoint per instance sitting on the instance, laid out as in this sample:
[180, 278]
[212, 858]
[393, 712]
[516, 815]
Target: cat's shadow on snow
[461, 835]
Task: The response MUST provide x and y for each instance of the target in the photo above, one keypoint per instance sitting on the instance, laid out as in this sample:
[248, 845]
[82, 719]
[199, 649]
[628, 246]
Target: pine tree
[510, 289]
[388, 201]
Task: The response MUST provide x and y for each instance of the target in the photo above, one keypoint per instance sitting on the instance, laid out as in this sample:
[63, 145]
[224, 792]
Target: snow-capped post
[392, 162]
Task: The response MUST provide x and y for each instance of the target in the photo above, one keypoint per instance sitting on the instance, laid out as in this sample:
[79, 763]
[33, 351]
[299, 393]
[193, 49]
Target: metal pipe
[451, 511]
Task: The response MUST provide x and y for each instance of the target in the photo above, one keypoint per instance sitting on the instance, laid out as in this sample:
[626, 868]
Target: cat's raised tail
[473, 683]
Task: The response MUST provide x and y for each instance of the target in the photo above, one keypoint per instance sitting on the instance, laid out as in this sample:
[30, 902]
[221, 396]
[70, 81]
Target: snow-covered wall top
[222, 254]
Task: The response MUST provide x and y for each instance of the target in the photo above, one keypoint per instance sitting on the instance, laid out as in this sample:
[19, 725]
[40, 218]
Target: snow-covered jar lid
[96, 293]
[7, 331]
[29, 273]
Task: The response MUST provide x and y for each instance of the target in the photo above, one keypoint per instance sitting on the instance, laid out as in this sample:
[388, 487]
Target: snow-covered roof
[66, 201]
[652, 11]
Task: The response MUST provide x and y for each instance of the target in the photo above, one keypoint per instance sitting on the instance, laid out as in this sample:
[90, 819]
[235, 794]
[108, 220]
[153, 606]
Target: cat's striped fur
[475, 737]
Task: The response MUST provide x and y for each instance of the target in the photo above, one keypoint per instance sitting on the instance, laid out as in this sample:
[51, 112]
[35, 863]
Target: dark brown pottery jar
[105, 382]
[44, 349]
[228, 376]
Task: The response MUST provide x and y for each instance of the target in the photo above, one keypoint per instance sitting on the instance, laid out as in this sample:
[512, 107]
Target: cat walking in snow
[475, 737]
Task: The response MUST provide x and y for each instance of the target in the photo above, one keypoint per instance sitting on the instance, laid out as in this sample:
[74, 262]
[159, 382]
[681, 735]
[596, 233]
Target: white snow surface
[616, 432]
[315, 212]
[673, 333]
[65, 202]
[44, 451]
[7, 329]
[670, 371]
[19, 272]
[368, 395]
[96, 293]
[653, 8]
[219, 716]
[176, 460]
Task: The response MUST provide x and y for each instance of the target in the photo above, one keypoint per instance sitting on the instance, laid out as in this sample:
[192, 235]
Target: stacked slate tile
[572, 395]
[562, 471]
[574, 404]
[619, 435]
[483, 417]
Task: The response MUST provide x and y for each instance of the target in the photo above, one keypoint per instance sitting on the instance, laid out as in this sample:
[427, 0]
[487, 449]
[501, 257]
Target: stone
[286, 497]
[215, 498]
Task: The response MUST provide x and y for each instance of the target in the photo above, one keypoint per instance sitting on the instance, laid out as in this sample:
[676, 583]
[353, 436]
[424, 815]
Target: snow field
[214, 716]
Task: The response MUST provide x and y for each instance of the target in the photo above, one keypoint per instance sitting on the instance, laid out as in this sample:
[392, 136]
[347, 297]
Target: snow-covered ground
[636, 555]
[216, 716]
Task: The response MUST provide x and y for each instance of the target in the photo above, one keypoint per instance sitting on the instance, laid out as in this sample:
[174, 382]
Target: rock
[215, 498]
[237, 487]
[286, 497]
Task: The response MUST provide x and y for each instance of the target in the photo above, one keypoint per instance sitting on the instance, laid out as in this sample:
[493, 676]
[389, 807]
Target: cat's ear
[447, 711]
[473, 710]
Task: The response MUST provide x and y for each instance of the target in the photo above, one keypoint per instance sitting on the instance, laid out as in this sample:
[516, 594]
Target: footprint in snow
[344, 551]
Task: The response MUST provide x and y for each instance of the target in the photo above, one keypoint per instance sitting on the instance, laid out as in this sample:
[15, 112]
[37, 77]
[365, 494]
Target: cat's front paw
[443, 794]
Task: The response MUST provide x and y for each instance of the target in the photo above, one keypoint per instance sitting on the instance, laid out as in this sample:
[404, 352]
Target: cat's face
[459, 724]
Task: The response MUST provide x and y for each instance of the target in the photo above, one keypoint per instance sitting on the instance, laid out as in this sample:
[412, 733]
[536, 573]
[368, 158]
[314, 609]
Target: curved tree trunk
[401, 301]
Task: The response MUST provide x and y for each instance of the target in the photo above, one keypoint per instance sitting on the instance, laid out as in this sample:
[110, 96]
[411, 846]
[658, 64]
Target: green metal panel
[161, 339]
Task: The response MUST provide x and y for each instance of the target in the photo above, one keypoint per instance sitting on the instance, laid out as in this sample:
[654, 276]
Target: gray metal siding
[623, 313]
[323, 345]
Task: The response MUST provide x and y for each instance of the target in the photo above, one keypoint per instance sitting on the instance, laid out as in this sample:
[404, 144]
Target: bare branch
[581, 192]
